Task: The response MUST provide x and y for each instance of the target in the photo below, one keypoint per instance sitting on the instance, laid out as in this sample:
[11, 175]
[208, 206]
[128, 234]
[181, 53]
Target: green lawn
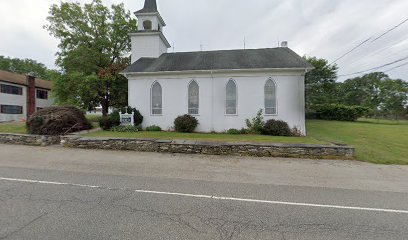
[376, 141]
[385, 142]
[12, 128]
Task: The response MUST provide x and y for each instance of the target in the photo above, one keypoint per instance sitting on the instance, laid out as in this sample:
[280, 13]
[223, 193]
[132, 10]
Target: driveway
[57, 193]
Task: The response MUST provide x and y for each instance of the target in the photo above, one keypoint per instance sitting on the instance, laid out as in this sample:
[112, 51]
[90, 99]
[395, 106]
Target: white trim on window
[273, 109]
[158, 111]
[191, 110]
[231, 80]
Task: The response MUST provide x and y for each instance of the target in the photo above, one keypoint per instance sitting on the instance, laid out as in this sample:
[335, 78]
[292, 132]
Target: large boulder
[57, 121]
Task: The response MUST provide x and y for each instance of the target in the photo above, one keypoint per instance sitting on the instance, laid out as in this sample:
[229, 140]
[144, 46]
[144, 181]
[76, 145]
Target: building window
[156, 99]
[42, 94]
[10, 89]
[193, 98]
[147, 25]
[11, 109]
[270, 98]
[231, 98]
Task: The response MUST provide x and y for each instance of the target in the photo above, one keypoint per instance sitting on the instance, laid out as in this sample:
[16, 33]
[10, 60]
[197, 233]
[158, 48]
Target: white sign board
[126, 119]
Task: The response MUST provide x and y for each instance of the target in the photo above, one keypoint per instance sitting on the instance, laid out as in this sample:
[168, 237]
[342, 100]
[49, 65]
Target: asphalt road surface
[56, 193]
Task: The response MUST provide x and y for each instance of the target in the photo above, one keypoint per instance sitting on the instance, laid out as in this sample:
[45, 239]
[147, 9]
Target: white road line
[212, 197]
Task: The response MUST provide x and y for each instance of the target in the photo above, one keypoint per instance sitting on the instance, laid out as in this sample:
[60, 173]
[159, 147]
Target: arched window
[193, 98]
[156, 100]
[231, 98]
[147, 25]
[270, 98]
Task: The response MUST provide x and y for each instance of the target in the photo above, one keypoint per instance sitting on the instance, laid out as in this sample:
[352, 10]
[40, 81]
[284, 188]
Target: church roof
[150, 6]
[272, 58]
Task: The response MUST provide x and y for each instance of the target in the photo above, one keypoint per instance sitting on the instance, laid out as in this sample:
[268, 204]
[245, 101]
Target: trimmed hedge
[276, 128]
[233, 131]
[125, 129]
[57, 121]
[185, 123]
[108, 122]
[153, 128]
[339, 112]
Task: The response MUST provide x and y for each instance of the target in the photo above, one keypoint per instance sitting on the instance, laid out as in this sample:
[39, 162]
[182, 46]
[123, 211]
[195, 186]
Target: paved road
[56, 193]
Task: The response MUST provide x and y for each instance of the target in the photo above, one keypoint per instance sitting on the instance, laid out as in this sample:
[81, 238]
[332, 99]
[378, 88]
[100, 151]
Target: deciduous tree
[93, 45]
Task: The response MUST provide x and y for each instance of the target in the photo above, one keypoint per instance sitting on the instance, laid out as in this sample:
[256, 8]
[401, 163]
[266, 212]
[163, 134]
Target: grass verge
[13, 128]
[385, 142]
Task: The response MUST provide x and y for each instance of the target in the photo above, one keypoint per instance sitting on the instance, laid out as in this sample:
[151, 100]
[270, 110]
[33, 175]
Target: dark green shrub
[243, 131]
[57, 121]
[233, 131]
[125, 129]
[255, 125]
[108, 122]
[276, 128]
[185, 123]
[153, 128]
[137, 116]
[340, 112]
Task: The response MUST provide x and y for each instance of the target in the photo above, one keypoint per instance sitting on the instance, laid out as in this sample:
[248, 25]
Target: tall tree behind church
[93, 43]
[320, 83]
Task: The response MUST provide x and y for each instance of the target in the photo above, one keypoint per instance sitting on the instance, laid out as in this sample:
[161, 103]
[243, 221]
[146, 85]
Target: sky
[322, 28]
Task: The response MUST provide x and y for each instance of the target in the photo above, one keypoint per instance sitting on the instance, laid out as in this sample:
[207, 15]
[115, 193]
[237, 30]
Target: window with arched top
[231, 98]
[147, 25]
[156, 99]
[270, 98]
[193, 98]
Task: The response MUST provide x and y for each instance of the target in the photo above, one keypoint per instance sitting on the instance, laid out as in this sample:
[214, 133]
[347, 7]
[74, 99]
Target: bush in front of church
[185, 123]
[108, 122]
[276, 128]
[57, 120]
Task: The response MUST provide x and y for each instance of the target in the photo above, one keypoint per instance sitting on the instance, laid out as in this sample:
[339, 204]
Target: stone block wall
[26, 139]
[212, 148]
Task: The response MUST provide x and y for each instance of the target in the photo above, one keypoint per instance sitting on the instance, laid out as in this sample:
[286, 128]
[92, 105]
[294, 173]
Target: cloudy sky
[323, 28]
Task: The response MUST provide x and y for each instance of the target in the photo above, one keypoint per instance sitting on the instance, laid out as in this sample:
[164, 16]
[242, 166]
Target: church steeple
[149, 17]
[149, 41]
[150, 6]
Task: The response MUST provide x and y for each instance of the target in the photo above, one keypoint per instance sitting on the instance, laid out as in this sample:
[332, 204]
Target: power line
[368, 39]
[376, 68]
[390, 30]
[347, 53]
[391, 69]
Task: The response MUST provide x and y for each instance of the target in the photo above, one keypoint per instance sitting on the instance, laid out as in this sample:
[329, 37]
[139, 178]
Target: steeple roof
[150, 6]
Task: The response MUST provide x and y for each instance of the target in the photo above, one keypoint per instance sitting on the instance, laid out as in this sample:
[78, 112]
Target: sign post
[126, 119]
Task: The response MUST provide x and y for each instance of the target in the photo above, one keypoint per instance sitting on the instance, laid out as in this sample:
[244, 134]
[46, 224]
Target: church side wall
[212, 117]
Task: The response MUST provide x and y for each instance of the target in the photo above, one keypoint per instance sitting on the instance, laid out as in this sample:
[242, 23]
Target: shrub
[276, 128]
[93, 118]
[137, 116]
[256, 124]
[125, 129]
[57, 121]
[233, 131]
[243, 131]
[185, 123]
[153, 128]
[340, 112]
[108, 122]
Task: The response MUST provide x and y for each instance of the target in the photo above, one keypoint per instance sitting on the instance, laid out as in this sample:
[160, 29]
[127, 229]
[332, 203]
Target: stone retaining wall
[26, 139]
[212, 148]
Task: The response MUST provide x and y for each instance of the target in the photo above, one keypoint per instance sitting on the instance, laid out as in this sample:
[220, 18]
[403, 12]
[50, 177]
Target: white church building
[220, 88]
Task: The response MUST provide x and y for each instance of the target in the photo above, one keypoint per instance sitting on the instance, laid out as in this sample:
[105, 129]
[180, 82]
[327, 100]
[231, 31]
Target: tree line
[383, 96]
